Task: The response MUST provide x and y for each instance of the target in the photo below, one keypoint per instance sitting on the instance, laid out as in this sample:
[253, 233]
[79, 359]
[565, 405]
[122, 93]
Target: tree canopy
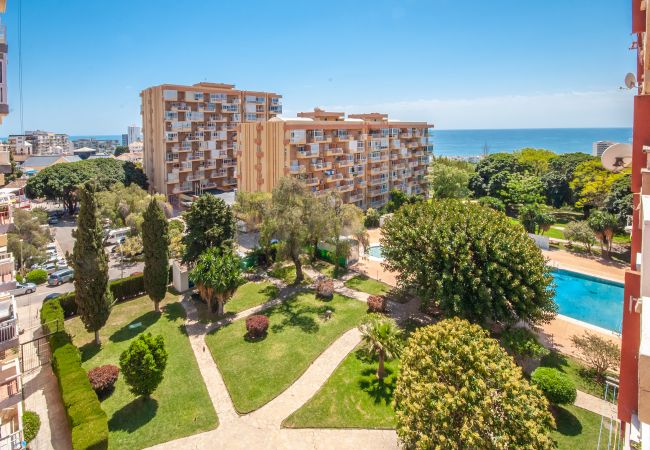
[470, 261]
[493, 172]
[217, 274]
[60, 181]
[448, 180]
[209, 223]
[459, 389]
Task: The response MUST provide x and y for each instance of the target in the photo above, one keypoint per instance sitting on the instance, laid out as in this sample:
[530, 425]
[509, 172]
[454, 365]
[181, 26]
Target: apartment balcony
[275, 109]
[194, 177]
[316, 138]
[180, 106]
[348, 187]
[218, 154]
[216, 118]
[218, 97]
[171, 157]
[230, 182]
[376, 204]
[219, 173]
[360, 182]
[341, 163]
[356, 197]
[209, 107]
[229, 163]
[378, 180]
[10, 385]
[186, 147]
[172, 178]
[378, 170]
[195, 157]
[198, 136]
[312, 181]
[185, 167]
[230, 108]
[333, 177]
[413, 164]
[406, 135]
[379, 158]
[295, 169]
[333, 151]
[374, 192]
[12, 441]
[307, 153]
[8, 322]
[171, 137]
[317, 166]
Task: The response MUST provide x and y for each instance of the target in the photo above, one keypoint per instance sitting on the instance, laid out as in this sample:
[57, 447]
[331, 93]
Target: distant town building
[101, 145]
[125, 140]
[85, 152]
[136, 147]
[19, 146]
[362, 156]
[42, 143]
[599, 147]
[190, 134]
[134, 134]
[35, 164]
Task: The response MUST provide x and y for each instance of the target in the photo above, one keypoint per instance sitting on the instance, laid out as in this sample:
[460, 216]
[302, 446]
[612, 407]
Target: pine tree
[90, 263]
[155, 240]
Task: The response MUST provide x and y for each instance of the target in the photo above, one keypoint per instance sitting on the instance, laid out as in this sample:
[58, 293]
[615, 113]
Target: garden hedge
[122, 289]
[556, 385]
[88, 422]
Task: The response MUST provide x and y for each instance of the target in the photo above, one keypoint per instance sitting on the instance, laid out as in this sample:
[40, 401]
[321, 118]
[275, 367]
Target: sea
[468, 143]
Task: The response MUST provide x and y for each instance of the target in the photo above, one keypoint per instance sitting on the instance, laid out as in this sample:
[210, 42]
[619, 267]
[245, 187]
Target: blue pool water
[582, 297]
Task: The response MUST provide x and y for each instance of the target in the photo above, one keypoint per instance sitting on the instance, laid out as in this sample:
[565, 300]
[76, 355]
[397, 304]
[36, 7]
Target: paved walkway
[596, 405]
[263, 426]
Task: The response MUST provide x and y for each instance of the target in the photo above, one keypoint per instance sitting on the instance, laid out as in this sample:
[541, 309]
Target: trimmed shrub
[88, 422]
[256, 326]
[31, 425]
[128, 287]
[37, 276]
[68, 304]
[103, 378]
[325, 289]
[376, 304]
[522, 343]
[143, 364]
[556, 386]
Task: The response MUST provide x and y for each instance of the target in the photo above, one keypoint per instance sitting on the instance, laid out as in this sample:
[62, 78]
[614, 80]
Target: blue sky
[457, 64]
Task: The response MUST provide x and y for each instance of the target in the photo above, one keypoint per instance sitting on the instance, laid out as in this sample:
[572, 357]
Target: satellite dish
[630, 81]
[617, 157]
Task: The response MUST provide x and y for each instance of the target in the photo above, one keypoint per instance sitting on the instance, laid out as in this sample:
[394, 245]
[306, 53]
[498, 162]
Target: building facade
[362, 156]
[134, 134]
[634, 387]
[598, 147]
[190, 135]
[42, 142]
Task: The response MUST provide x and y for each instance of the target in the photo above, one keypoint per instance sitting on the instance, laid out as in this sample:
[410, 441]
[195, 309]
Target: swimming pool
[589, 299]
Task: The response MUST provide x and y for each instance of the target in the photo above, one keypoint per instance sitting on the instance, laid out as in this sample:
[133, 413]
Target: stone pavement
[262, 428]
[595, 404]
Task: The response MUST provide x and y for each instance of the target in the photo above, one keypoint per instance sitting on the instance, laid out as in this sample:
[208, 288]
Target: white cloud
[556, 110]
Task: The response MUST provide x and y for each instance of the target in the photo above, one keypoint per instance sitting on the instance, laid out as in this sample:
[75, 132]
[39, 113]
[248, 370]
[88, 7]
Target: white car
[24, 288]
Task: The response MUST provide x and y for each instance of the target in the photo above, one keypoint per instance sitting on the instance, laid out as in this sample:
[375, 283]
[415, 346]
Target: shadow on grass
[380, 391]
[89, 350]
[133, 415]
[299, 316]
[567, 424]
[270, 291]
[175, 312]
[125, 333]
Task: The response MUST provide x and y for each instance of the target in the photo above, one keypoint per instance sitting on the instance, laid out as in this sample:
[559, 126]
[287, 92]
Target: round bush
[103, 378]
[376, 303]
[256, 326]
[31, 425]
[557, 386]
[37, 276]
[325, 289]
[19, 278]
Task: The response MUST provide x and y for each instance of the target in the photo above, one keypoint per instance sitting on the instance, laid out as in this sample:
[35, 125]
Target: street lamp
[22, 262]
[119, 242]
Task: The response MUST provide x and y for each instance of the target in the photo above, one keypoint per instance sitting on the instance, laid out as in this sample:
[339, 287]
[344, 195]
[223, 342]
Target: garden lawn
[575, 370]
[329, 269]
[250, 295]
[368, 285]
[287, 274]
[351, 398]
[257, 371]
[577, 428]
[179, 407]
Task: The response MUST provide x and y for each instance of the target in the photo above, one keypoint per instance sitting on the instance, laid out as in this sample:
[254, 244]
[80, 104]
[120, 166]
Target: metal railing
[12, 441]
[609, 436]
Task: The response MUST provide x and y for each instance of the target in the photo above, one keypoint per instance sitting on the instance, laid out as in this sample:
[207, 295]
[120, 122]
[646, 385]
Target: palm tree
[217, 275]
[382, 336]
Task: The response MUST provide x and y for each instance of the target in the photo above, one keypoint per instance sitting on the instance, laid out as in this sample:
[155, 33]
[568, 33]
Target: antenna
[617, 157]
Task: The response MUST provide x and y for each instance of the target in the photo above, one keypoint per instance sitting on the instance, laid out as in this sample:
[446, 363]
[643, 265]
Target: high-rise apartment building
[190, 134]
[43, 142]
[598, 147]
[634, 387]
[362, 156]
[134, 134]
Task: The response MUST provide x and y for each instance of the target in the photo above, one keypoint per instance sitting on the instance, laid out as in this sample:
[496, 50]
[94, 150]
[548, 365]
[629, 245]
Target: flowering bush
[103, 378]
[376, 304]
[256, 326]
[325, 289]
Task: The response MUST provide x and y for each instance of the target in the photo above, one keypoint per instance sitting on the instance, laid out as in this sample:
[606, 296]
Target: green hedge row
[88, 422]
[122, 289]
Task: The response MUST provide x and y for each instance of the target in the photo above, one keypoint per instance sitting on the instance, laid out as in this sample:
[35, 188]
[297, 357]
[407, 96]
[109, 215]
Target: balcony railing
[297, 169]
[12, 441]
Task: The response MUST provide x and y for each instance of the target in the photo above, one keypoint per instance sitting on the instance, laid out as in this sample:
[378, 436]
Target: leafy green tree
[319, 225]
[592, 183]
[92, 294]
[288, 222]
[458, 389]
[556, 180]
[217, 275]
[143, 364]
[344, 219]
[536, 160]
[120, 150]
[155, 242]
[535, 218]
[498, 166]
[580, 232]
[372, 218]
[209, 223]
[60, 181]
[522, 189]
[493, 203]
[27, 228]
[176, 246]
[448, 181]
[619, 200]
[380, 335]
[603, 225]
[126, 204]
[252, 207]
[470, 261]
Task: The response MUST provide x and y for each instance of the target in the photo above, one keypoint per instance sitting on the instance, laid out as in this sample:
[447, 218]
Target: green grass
[287, 274]
[246, 296]
[329, 269]
[351, 398]
[257, 371]
[577, 371]
[179, 407]
[554, 233]
[368, 285]
[577, 428]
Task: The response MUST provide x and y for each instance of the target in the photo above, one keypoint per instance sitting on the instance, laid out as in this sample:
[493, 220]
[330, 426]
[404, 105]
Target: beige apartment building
[362, 156]
[190, 135]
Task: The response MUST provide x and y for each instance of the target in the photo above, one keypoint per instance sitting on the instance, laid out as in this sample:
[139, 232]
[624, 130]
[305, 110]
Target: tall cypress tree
[155, 241]
[90, 263]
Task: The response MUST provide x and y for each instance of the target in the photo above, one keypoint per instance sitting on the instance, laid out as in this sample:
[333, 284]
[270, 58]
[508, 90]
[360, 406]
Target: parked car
[23, 288]
[117, 236]
[60, 277]
[56, 213]
[49, 267]
[52, 295]
[53, 220]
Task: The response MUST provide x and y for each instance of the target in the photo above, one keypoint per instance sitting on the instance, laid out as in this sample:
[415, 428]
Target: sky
[470, 64]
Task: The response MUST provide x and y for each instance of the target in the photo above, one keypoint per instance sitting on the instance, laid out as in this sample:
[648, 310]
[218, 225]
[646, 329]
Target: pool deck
[556, 334]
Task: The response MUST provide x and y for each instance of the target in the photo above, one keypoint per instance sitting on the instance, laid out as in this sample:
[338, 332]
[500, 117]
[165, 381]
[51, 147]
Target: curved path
[263, 426]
